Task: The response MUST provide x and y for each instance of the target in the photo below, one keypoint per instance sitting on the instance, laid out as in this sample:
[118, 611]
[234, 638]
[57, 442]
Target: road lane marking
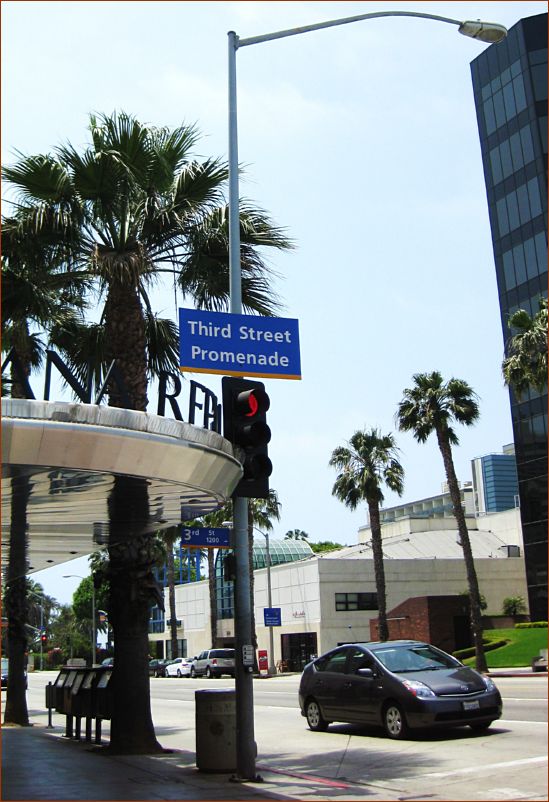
[488, 767]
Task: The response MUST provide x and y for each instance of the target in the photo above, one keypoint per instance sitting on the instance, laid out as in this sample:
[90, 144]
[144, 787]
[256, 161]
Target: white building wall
[305, 592]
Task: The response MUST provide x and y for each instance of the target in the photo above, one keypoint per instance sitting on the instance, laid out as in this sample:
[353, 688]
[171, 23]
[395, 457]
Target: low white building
[330, 598]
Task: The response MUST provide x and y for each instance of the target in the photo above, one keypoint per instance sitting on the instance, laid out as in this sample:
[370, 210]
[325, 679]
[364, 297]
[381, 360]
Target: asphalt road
[509, 762]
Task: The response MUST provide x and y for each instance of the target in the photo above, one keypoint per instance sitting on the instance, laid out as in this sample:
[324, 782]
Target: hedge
[532, 625]
[463, 654]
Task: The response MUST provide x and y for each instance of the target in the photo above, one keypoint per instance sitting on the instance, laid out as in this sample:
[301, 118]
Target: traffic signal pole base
[237, 779]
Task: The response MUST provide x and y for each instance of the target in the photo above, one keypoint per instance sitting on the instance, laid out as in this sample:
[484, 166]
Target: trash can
[215, 723]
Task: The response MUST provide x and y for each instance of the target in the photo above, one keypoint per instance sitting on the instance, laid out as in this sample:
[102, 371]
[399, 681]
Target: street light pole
[272, 668]
[245, 744]
[94, 629]
[41, 604]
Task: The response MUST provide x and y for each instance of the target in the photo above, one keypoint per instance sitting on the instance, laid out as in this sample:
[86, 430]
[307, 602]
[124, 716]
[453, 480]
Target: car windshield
[416, 657]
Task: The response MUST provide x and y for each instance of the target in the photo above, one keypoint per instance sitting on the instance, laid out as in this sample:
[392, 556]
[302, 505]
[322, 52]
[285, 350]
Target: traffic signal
[229, 568]
[43, 637]
[245, 404]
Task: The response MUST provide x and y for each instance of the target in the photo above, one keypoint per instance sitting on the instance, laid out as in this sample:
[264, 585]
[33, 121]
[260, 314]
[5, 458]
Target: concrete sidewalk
[40, 764]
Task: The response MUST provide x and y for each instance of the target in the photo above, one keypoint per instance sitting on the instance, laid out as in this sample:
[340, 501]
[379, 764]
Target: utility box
[215, 723]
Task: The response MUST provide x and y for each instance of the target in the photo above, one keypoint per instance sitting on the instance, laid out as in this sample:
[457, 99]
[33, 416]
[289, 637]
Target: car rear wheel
[315, 719]
[394, 722]
[208, 673]
[179, 673]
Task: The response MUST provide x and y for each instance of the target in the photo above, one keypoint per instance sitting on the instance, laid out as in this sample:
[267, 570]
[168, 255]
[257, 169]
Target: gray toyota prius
[400, 685]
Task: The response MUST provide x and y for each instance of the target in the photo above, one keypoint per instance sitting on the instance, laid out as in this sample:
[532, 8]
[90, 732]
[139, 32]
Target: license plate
[471, 705]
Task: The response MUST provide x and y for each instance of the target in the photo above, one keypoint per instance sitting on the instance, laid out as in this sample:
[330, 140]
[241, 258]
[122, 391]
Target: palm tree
[132, 206]
[296, 534]
[432, 405]
[35, 296]
[369, 463]
[525, 365]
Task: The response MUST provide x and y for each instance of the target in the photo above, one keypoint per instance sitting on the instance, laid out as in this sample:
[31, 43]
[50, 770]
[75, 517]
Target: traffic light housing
[229, 567]
[43, 637]
[245, 405]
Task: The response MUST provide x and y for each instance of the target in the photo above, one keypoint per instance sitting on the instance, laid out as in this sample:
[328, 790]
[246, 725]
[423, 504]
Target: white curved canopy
[72, 452]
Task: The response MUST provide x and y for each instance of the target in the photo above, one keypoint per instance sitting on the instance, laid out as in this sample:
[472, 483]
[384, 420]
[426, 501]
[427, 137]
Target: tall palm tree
[132, 206]
[369, 463]
[36, 294]
[433, 406]
[525, 365]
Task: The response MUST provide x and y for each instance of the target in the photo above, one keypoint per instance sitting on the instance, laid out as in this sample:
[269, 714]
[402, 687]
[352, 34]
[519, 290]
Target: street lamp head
[490, 32]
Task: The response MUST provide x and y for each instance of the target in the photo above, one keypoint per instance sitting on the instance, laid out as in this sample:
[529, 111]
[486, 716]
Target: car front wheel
[394, 721]
[193, 673]
[480, 726]
[315, 719]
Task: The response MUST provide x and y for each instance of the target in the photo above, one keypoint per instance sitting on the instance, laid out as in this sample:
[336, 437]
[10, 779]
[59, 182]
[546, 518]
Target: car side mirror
[365, 672]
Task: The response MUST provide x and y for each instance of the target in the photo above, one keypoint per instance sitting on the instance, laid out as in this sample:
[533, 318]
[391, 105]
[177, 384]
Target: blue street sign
[272, 616]
[238, 345]
[216, 538]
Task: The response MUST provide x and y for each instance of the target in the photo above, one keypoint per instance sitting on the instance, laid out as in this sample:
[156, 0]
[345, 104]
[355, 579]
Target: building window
[347, 602]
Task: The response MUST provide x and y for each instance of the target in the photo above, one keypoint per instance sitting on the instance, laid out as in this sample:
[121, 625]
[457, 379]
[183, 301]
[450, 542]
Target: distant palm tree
[525, 365]
[134, 205]
[369, 463]
[432, 406]
[296, 534]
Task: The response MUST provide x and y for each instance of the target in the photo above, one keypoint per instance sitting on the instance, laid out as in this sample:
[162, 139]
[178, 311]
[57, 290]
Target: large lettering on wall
[202, 407]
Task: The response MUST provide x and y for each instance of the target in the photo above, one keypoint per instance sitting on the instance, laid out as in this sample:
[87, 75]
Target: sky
[360, 140]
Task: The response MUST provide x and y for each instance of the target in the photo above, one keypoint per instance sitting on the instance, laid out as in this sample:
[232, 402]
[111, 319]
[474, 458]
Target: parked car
[157, 668]
[180, 667]
[5, 666]
[108, 662]
[401, 685]
[213, 663]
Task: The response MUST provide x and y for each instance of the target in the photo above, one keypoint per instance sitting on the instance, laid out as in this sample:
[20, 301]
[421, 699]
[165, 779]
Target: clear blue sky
[361, 140]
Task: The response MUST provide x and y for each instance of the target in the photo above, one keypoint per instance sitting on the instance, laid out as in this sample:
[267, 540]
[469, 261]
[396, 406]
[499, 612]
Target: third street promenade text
[245, 333]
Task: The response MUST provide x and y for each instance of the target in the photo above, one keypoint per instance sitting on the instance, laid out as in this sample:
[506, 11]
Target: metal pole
[272, 669]
[41, 633]
[246, 748]
[94, 631]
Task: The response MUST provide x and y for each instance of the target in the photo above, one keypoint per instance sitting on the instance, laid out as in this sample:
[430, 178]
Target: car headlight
[418, 688]
[490, 684]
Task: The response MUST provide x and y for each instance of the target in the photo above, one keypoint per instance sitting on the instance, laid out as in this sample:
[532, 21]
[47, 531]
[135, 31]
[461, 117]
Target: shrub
[531, 625]
[513, 605]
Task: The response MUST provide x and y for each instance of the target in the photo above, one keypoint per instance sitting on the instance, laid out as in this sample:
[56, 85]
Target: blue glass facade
[499, 474]
[510, 89]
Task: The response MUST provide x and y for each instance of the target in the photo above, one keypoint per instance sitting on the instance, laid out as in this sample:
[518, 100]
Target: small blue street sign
[216, 538]
[272, 616]
[239, 345]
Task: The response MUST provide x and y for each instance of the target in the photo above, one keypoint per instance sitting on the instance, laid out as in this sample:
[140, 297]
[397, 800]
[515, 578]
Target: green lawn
[523, 646]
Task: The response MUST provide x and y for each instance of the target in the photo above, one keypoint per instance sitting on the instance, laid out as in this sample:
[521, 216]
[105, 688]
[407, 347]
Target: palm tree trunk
[133, 589]
[212, 585]
[379, 570]
[472, 581]
[16, 602]
[170, 571]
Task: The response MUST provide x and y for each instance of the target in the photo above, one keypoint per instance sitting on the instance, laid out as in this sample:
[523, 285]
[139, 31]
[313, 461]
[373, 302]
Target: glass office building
[510, 89]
